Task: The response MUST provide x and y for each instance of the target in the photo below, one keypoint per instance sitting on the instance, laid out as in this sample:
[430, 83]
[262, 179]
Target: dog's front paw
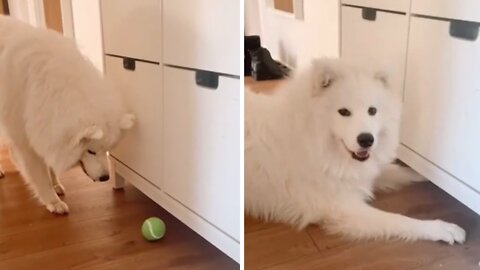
[59, 207]
[59, 189]
[446, 232]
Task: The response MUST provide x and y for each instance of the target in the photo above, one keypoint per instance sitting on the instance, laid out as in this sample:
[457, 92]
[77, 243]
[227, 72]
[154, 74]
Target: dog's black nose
[104, 178]
[365, 140]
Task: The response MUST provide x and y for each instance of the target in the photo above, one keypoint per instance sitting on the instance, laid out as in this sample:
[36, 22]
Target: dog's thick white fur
[304, 164]
[56, 109]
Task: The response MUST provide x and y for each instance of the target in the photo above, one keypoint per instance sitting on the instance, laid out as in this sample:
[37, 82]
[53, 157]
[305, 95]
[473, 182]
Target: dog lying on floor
[317, 150]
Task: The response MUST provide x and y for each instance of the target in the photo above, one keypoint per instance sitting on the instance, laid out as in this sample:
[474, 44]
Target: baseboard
[459, 190]
[209, 232]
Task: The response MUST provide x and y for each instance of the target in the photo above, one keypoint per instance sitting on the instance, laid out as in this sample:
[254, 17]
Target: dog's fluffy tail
[395, 176]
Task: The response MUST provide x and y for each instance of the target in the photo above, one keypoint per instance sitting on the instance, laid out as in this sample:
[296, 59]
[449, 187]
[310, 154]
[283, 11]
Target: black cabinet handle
[464, 30]
[369, 14]
[206, 79]
[129, 63]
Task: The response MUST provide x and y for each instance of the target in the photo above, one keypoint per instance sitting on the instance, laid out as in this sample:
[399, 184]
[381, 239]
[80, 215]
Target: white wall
[87, 29]
[29, 11]
[81, 19]
[296, 42]
[67, 18]
[252, 17]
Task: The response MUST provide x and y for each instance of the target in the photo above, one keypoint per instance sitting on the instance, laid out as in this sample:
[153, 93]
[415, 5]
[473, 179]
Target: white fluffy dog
[56, 109]
[316, 151]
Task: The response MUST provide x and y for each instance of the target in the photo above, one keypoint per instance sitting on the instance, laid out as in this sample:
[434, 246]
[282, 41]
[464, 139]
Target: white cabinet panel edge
[445, 181]
[212, 234]
[391, 5]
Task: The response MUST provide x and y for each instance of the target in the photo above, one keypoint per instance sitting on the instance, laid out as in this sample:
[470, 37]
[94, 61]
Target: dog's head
[360, 106]
[95, 141]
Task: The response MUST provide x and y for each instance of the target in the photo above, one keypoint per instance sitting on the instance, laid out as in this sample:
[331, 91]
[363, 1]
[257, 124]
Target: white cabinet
[467, 10]
[202, 154]
[437, 44]
[202, 34]
[442, 99]
[184, 150]
[132, 28]
[380, 41]
[141, 149]
[393, 5]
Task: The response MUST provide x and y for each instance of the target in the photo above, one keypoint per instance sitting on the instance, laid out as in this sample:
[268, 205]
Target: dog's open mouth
[361, 155]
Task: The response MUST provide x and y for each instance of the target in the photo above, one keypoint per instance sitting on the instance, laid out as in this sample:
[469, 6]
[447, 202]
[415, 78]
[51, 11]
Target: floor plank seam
[314, 242]
[283, 263]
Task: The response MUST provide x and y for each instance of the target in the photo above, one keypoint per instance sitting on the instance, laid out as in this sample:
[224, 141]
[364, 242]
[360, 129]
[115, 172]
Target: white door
[202, 153]
[379, 42]
[441, 119]
[141, 85]
[202, 34]
[132, 28]
[394, 5]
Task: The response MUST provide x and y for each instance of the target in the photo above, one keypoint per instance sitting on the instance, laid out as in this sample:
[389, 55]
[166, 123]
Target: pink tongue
[362, 153]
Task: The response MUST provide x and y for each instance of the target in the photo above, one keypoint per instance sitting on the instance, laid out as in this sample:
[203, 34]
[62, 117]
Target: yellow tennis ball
[153, 229]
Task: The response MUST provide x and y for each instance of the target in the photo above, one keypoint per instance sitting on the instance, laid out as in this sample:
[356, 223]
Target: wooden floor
[275, 246]
[101, 232]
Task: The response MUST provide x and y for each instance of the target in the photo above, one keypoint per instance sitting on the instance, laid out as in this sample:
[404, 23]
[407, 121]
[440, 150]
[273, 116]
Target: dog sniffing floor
[275, 246]
[101, 232]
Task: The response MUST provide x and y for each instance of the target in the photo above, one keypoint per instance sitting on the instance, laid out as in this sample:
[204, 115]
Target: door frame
[32, 12]
[29, 11]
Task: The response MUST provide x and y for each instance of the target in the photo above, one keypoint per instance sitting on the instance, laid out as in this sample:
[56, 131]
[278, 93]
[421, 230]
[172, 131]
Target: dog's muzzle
[84, 170]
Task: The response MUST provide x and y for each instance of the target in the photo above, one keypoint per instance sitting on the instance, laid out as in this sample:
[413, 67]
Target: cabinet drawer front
[206, 35]
[442, 97]
[394, 5]
[382, 43]
[141, 147]
[467, 10]
[202, 147]
[132, 28]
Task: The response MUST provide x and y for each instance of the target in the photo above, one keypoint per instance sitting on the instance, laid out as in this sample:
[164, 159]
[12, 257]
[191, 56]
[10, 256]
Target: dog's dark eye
[344, 112]
[91, 152]
[372, 110]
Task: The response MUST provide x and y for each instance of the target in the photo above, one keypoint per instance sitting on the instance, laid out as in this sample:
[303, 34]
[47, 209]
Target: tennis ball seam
[150, 229]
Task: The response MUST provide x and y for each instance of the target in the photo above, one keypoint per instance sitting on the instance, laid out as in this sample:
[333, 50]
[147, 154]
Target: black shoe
[264, 67]
[251, 43]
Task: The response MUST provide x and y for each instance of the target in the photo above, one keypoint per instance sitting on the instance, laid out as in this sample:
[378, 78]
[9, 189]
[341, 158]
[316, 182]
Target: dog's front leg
[55, 181]
[362, 221]
[35, 172]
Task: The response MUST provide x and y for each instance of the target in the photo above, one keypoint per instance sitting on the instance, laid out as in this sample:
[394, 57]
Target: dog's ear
[383, 77]
[127, 121]
[90, 133]
[325, 73]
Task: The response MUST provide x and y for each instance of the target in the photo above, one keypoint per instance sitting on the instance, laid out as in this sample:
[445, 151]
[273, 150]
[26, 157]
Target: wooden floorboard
[275, 246]
[101, 232]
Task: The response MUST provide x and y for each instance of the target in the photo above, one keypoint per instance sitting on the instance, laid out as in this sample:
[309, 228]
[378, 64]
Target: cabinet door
[132, 28]
[467, 10]
[141, 148]
[394, 5]
[202, 147]
[202, 34]
[442, 99]
[381, 42]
